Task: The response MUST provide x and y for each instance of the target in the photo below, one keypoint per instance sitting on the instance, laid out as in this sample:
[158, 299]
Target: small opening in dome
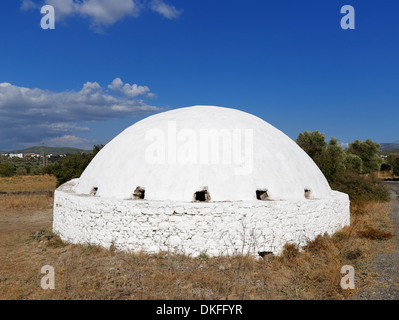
[265, 253]
[262, 195]
[202, 195]
[139, 193]
[308, 193]
[93, 191]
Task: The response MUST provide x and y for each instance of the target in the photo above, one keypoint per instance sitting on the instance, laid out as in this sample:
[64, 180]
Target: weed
[339, 236]
[290, 251]
[352, 253]
[374, 234]
[203, 257]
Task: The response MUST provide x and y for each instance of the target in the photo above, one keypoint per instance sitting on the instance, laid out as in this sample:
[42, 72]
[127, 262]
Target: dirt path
[386, 265]
[24, 221]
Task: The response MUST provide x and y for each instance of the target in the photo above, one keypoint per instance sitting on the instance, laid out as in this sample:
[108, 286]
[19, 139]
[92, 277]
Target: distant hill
[387, 148]
[49, 150]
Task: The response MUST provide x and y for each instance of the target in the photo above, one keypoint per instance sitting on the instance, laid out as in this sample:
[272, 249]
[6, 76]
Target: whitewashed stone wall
[214, 228]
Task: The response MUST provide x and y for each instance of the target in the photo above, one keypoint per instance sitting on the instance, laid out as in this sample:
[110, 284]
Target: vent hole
[202, 196]
[265, 253]
[139, 193]
[308, 193]
[93, 191]
[262, 195]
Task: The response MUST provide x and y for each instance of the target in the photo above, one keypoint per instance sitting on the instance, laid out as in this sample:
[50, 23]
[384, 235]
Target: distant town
[30, 155]
[32, 160]
[40, 152]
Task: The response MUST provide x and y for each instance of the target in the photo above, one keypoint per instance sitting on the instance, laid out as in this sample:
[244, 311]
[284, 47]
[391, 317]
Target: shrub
[6, 169]
[21, 171]
[72, 166]
[290, 251]
[339, 236]
[320, 243]
[358, 187]
[352, 253]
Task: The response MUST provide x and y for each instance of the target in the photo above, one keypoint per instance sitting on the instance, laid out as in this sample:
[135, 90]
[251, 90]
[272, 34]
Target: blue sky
[108, 64]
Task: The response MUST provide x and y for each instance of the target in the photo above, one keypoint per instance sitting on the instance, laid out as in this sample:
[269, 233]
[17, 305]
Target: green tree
[331, 160]
[368, 152]
[6, 169]
[313, 143]
[343, 169]
[386, 167]
[393, 160]
[353, 163]
[329, 157]
[72, 166]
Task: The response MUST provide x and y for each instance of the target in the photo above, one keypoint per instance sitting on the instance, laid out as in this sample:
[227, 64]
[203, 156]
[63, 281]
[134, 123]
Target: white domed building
[198, 180]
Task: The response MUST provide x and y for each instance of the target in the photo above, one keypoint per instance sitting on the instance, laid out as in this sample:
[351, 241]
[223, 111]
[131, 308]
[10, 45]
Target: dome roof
[203, 153]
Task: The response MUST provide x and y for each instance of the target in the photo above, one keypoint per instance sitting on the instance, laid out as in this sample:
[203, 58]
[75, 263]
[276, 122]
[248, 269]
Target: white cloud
[107, 12]
[116, 84]
[90, 103]
[166, 10]
[131, 91]
[61, 127]
[28, 5]
[69, 141]
[103, 13]
[63, 8]
[32, 114]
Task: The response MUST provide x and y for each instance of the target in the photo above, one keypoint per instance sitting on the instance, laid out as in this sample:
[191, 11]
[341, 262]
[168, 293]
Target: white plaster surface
[233, 222]
[214, 228]
[271, 161]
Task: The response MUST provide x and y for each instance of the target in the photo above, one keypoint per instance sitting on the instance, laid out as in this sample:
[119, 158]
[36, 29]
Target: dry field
[27, 192]
[90, 272]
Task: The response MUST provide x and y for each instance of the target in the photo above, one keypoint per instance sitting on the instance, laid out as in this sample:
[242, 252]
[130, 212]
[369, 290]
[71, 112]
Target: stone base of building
[192, 228]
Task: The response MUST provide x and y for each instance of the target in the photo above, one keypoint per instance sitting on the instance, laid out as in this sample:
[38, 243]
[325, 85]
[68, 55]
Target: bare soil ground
[24, 221]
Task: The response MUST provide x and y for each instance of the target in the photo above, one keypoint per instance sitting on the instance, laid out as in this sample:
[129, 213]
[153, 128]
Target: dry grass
[38, 192]
[91, 272]
[26, 201]
[28, 183]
